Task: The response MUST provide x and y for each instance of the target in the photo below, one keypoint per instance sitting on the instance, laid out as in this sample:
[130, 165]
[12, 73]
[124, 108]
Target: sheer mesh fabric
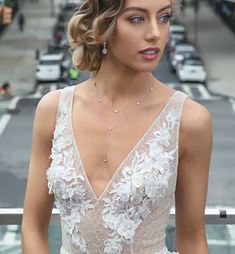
[131, 215]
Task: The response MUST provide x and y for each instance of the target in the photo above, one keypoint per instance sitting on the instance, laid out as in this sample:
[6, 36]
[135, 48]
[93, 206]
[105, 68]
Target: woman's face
[140, 34]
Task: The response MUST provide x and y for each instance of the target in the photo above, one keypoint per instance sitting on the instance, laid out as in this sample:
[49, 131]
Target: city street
[17, 113]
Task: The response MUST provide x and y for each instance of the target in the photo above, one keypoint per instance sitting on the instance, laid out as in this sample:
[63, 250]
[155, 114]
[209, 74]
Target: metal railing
[220, 215]
[218, 219]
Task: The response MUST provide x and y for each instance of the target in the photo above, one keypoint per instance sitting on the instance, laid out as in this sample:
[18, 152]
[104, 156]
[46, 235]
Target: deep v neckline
[121, 164]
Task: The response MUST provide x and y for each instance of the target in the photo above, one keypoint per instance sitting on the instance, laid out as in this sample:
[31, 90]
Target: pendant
[105, 160]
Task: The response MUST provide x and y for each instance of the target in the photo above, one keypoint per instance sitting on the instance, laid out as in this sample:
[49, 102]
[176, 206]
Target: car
[58, 45]
[171, 44]
[177, 35]
[59, 40]
[191, 70]
[51, 67]
[178, 32]
[180, 51]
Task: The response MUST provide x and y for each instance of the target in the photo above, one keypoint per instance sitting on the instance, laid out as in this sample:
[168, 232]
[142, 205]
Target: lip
[150, 56]
[150, 49]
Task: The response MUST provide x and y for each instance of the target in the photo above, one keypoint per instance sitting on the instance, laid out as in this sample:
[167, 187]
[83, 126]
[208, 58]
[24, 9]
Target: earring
[104, 49]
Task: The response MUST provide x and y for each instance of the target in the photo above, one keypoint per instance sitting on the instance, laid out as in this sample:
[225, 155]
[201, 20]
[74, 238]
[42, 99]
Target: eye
[136, 19]
[165, 18]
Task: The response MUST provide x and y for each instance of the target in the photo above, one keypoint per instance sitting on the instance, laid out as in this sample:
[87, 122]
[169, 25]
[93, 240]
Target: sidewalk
[17, 50]
[216, 45]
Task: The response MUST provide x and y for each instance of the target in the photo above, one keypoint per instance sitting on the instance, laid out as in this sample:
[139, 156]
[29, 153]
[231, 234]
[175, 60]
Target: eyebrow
[145, 10]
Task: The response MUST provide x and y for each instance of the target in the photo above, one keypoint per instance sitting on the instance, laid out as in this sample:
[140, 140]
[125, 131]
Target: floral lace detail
[132, 214]
[64, 181]
[142, 185]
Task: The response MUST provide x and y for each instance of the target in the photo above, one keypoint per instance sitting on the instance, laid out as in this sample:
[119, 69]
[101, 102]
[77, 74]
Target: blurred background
[199, 60]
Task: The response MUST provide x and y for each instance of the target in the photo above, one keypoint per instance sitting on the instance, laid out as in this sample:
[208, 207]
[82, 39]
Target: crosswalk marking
[10, 243]
[43, 89]
[205, 93]
[187, 90]
[4, 104]
[232, 102]
[4, 120]
[217, 242]
[194, 91]
[223, 242]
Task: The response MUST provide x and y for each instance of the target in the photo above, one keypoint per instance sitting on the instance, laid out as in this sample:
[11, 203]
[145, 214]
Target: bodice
[132, 213]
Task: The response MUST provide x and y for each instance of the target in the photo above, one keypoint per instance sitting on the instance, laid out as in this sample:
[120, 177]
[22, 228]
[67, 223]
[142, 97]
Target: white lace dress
[131, 215]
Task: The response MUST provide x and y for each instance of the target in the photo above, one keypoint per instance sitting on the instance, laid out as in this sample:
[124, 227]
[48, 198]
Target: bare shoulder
[196, 125]
[195, 117]
[49, 102]
[45, 115]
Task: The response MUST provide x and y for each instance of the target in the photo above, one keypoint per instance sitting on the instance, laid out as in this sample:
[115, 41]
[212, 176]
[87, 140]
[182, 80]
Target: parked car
[51, 67]
[178, 32]
[59, 39]
[171, 44]
[191, 70]
[55, 45]
[180, 51]
[177, 35]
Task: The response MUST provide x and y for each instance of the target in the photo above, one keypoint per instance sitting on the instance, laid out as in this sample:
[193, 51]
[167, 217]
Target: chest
[103, 151]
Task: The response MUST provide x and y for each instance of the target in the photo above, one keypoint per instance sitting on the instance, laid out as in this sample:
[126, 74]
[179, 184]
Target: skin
[123, 77]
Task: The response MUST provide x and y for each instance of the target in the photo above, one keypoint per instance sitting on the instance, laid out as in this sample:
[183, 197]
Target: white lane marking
[13, 250]
[232, 102]
[231, 230]
[14, 102]
[4, 122]
[4, 104]
[10, 237]
[53, 87]
[221, 242]
[204, 92]
[188, 90]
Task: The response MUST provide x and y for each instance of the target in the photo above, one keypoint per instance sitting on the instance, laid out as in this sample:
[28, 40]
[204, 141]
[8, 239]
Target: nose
[153, 32]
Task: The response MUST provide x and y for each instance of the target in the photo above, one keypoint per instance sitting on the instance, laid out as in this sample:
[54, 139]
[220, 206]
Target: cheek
[124, 38]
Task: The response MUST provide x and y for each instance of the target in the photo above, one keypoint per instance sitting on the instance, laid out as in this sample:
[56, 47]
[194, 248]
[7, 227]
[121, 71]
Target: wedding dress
[131, 214]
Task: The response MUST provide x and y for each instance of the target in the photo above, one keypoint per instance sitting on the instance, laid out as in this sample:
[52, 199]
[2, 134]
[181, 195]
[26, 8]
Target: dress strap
[64, 106]
[178, 104]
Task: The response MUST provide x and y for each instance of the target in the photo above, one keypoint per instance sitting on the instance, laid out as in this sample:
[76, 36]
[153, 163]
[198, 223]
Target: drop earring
[104, 49]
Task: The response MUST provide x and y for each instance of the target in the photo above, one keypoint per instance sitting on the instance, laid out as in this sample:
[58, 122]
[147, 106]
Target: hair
[89, 27]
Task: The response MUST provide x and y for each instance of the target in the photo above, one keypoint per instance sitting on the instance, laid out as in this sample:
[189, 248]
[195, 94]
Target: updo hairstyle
[89, 27]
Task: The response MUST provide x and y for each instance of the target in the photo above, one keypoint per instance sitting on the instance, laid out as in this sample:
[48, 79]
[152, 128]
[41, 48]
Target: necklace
[110, 128]
[99, 99]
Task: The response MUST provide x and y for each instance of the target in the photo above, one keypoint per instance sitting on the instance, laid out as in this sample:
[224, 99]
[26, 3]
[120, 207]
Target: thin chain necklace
[110, 128]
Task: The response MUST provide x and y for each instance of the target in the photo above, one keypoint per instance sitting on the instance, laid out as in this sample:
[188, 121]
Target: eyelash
[135, 21]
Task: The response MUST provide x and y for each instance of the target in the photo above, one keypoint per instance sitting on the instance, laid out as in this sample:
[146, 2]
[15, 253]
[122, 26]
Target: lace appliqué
[142, 184]
[65, 183]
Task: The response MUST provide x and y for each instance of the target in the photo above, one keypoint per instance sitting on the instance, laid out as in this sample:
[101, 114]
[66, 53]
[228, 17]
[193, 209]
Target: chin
[148, 67]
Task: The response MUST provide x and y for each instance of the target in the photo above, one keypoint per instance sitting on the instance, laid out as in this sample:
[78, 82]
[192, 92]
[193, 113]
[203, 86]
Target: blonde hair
[88, 28]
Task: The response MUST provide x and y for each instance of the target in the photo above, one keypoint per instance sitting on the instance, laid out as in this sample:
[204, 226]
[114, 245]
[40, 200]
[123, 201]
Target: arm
[192, 182]
[38, 203]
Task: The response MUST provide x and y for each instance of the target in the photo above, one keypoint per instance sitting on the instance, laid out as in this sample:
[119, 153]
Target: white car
[51, 66]
[191, 69]
[181, 51]
[177, 32]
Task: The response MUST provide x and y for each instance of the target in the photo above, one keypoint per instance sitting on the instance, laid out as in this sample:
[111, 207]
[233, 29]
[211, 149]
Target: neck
[116, 85]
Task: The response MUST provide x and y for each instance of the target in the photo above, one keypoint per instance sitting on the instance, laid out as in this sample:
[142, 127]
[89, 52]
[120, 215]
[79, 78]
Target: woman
[121, 144]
